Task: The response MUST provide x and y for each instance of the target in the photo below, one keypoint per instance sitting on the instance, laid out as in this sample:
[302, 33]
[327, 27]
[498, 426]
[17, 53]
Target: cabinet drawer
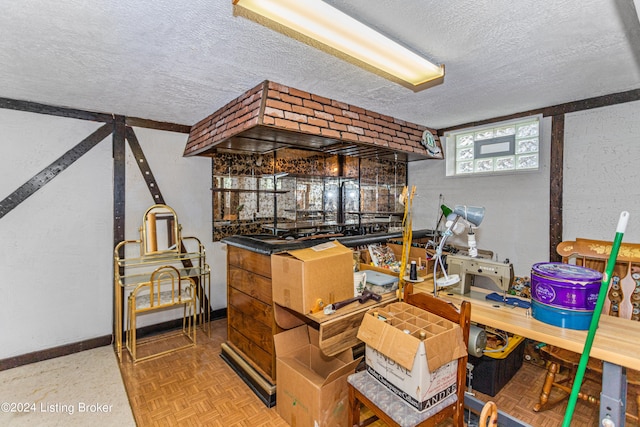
[259, 287]
[248, 260]
[253, 354]
[338, 331]
[255, 309]
[259, 334]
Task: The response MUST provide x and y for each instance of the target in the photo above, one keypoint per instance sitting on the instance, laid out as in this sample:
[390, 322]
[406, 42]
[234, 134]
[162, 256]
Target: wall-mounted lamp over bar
[331, 27]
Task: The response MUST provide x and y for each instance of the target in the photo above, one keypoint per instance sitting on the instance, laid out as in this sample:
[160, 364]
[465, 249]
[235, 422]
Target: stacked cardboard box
[302, 277]
[412, 352]
[312, 387]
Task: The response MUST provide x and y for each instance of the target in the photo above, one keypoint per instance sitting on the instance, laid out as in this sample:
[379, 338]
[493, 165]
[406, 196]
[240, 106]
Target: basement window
[505, 147]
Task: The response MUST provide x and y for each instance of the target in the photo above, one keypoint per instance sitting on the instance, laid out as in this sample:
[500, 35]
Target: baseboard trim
[65, 350]
[263, 388]
[50, 353]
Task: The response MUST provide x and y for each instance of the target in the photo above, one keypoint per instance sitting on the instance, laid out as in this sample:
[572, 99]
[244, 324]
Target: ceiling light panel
[331, 27]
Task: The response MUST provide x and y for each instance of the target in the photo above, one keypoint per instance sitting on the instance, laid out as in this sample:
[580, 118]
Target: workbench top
[616, 341]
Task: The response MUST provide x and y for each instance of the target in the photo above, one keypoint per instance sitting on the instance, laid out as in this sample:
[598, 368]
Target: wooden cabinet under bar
[251, 313]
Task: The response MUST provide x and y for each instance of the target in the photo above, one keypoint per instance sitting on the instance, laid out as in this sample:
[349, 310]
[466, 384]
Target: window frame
[452, 150]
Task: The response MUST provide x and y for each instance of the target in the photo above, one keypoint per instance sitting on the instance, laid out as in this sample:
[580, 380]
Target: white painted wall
[602, 172]
[601, 178]
[56, 247]
[54, 253]
[56, 273]
[516, 222]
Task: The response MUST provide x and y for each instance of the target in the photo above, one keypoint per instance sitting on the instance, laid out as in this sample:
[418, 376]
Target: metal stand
[504, 419]
[613, 398]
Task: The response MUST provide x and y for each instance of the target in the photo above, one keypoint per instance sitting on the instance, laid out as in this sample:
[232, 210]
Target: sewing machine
[467, 268]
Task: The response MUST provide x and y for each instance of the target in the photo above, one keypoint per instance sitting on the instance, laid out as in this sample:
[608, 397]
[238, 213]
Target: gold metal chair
[165, 290]
[623, 300]
[386, 405]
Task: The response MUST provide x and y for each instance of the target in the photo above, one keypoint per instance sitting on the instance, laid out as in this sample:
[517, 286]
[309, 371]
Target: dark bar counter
[268, 244]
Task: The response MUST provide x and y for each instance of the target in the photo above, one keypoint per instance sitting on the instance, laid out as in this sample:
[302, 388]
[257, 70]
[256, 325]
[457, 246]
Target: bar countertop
[269, 244]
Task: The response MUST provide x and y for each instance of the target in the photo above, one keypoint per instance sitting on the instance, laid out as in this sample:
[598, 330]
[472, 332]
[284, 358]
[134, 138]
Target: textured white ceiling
[180, 61]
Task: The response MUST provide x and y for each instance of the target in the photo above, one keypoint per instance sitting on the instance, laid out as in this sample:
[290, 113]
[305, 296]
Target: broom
[573, 398]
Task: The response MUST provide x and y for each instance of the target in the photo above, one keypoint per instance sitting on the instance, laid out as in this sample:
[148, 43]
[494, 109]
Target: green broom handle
[584, 358]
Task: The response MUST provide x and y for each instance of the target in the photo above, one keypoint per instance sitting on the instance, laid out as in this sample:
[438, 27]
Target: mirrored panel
[160, 230]
[294, 189]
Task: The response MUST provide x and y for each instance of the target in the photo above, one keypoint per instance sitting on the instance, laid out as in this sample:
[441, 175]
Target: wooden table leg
[552, 370]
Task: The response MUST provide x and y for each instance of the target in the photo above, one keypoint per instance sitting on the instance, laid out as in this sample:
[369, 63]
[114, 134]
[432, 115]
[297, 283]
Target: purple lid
[564, 271]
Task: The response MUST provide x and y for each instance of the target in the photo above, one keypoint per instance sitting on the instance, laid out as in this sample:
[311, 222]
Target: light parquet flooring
[195, 387]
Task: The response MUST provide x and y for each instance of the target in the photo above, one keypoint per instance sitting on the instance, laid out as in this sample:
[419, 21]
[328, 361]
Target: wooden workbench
[616, 341]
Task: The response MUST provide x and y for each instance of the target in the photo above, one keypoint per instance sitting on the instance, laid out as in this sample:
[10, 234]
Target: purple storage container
[565, 286]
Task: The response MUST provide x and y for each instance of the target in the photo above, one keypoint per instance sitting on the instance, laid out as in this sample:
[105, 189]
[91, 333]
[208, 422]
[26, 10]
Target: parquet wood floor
[195, 387]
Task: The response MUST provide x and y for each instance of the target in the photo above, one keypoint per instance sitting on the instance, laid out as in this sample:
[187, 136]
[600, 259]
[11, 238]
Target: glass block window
[507, 147]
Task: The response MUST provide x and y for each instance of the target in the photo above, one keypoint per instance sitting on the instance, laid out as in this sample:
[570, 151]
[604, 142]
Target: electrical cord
[505, 338]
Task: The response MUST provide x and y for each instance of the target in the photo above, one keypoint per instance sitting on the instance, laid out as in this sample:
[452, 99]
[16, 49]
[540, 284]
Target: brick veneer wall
[277, 106]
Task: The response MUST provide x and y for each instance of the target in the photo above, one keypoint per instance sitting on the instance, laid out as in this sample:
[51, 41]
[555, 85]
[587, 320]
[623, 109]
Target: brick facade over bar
[276, 106]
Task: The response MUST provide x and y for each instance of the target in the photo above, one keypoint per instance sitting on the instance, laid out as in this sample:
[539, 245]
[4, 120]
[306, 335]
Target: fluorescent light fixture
[326, 24]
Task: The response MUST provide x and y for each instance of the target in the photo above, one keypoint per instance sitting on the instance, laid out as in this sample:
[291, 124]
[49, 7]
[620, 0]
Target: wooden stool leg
[490, 411]
[552, 370]
[354, 408]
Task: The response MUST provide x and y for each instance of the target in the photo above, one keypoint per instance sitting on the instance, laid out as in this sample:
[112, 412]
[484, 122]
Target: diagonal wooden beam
[54, 169]
[144, 167]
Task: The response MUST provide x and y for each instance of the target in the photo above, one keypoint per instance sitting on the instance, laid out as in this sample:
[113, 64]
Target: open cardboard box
[416, 254]
[302, 277]
[422, 371]
[312, 387]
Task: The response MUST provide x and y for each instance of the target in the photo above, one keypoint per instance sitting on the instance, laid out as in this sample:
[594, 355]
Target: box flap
[445, 347]
[331, 367]
[388, 340]
[403, 348]
[314, 336]
[285, 319]
[307, 373]
[299, 349]
[291, 341]
[345, 370]
[320, 251]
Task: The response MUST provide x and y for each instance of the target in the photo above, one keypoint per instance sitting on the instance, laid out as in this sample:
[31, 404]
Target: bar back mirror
[160, 230]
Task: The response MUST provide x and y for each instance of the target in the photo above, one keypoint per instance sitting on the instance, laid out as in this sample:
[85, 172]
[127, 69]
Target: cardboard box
[300, 278]
[311, 387]
[416, 254]
[422, 371]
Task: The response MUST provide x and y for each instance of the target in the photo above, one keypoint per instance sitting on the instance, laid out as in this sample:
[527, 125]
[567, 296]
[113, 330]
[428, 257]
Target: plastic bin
[493, 370]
